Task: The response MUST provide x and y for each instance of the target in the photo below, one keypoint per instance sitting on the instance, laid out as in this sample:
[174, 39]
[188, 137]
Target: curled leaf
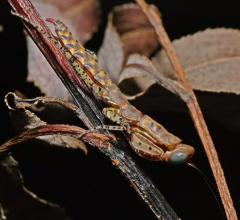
[211, 58]
[126, 23]
[129, 40]
[13, 101]
[138, 67]
[212, 64]
[141, 71]
[131, 24]
[24, 119]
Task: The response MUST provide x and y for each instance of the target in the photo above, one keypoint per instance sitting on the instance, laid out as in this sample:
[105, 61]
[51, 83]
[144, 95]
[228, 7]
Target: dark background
[89, 187]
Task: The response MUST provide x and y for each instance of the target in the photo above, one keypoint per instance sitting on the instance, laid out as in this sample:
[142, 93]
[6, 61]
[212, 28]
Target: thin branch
[95, 139]
[194, 108]
[91, 114]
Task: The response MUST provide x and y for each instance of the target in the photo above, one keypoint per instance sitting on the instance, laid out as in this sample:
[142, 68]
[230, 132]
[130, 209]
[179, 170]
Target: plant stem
[194, 109]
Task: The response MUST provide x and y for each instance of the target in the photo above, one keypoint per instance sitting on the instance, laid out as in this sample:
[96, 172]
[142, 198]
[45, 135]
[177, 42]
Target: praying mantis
[147, 137]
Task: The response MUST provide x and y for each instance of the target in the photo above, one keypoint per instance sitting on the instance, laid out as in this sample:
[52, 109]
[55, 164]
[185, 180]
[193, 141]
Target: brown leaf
[126, 23]
[42, 75]
[212, 64]
[135, 78]
[82, 17]
[111, 54]
[211, 59]
[142, 74]
[131, 24]
[129, 39]
[18, 101]
[24, 120]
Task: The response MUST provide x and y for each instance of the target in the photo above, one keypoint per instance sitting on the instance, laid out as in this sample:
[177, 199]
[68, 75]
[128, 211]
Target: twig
[194, 109]
[90, 114]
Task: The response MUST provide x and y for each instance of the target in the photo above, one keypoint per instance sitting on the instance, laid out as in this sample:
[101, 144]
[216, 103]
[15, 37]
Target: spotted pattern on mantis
[147, 137]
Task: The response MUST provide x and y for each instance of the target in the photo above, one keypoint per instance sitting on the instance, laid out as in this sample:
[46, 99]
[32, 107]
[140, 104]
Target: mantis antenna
[211, 187]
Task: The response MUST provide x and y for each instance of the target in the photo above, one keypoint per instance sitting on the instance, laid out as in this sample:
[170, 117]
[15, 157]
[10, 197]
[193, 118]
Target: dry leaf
[42, 75]
[141, 71]
[211, 59]
[82, 17]
[135, 78]
[60, 135]
[111, 54]
[212, 64]
[129, 39]
[131, 24]
[126, 23]
[24, 120]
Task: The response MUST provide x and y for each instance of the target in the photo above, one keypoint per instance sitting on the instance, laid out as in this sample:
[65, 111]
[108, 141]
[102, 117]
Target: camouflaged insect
[147, 137]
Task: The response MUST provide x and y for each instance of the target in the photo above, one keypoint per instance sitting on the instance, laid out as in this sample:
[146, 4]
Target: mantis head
[180, 155]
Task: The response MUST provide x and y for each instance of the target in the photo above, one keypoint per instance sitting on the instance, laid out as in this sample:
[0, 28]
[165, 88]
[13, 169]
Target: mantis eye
[178, 158]
[181, 155]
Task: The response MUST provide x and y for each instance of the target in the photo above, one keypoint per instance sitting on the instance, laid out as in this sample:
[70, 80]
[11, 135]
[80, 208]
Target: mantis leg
[113, 114]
